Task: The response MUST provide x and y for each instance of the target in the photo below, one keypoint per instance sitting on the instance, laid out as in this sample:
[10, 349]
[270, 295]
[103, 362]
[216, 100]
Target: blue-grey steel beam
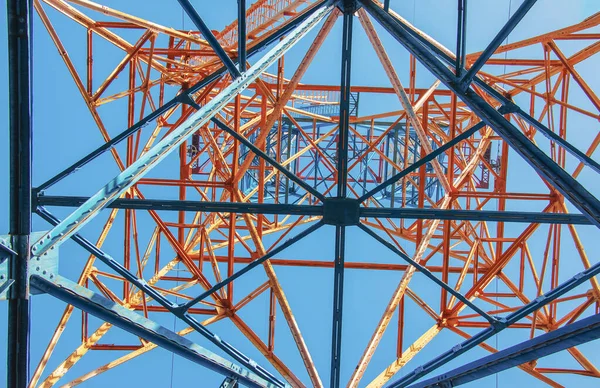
[542, 163]
[496, 42]
[192, 206]
[476, 215]
[426, 159]
[189, 304]
[348, 7]
[430, 275]
[123, 181]
[242, 35]
[109, 311]
[210, 38]
[294, 178]
[159, 298]
[183, 97]
[19, 23]
[317, 210]
[580, 332]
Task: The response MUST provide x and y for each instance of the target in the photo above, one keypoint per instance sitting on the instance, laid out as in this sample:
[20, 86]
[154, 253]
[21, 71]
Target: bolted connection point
[341, 211]
[349, 6]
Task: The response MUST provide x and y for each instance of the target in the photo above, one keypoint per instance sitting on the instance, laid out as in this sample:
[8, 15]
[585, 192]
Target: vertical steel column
[19, 30]
[242, 35]
[461, 36]
[342, 154]
[342, 180]
[338, 302]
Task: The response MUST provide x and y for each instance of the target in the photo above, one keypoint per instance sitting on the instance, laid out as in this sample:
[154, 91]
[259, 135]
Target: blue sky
[64, 131]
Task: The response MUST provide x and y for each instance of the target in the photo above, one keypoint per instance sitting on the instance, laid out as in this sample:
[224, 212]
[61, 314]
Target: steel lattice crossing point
[229, 188]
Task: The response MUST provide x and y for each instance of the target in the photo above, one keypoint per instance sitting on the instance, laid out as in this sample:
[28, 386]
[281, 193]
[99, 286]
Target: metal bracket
[230, 382]
[45, 266]
[5, 253]
[187, 99]
[507, 108]
[5, 282]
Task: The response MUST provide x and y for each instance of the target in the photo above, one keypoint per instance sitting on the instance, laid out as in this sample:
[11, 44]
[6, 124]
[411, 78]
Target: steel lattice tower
[477, 195]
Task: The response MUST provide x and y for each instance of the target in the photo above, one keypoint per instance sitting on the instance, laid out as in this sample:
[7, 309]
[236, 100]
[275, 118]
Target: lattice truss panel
[298, 183]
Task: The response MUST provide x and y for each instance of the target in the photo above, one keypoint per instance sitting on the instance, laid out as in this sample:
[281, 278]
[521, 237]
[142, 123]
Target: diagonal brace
[269, 159]
[189, 304]
[488, 333]
[581, 156]
[496, 42]
[427, 273]
[210, 38]
[580, 332]
[426, 159]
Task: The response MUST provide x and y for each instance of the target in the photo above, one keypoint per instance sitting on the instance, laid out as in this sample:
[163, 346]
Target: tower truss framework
[477, 194]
